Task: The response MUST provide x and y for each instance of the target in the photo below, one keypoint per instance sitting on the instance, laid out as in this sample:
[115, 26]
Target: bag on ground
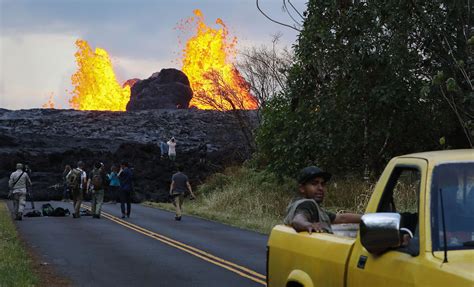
[34, 213]
[47, 209]
[59, 211]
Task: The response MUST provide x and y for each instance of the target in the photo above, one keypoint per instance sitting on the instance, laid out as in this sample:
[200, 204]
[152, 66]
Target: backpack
[34, 213]
[74, 179]
[97, 179]
[59, 211]
[47, 209]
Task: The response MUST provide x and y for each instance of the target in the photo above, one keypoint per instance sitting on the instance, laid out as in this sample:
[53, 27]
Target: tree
[266, 69]
[226, 97]
[357, 91]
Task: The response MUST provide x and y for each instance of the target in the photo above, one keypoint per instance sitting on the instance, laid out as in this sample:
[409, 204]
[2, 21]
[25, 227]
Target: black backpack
[34, 213]
[59, 211]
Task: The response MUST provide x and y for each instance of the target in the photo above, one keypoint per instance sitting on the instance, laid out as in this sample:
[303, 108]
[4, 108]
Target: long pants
[77, 201]
[172, 156]
[178, 203]
[125, 196]
[97, 200]
[66, 192]
[19, 202]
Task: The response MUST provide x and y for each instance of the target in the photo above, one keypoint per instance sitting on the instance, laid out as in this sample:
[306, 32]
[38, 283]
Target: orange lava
[207, 61]
[95, 84]
[50, 103]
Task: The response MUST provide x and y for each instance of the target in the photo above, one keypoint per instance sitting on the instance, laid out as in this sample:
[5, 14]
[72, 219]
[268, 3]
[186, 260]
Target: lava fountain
[207, 61]
[95, 84]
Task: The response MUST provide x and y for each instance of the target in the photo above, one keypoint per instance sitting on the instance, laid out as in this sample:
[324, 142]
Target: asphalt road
[148, 249]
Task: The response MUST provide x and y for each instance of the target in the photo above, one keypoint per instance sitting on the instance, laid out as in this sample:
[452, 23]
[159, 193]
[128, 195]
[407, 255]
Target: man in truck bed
[304, 213]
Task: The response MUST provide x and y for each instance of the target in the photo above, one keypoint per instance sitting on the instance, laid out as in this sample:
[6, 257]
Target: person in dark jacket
[126, 188]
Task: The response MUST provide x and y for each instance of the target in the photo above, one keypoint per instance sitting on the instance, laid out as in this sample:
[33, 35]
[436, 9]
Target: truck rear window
[455, 183]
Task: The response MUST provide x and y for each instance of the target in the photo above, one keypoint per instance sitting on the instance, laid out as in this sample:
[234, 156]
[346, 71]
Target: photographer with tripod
[19, 183]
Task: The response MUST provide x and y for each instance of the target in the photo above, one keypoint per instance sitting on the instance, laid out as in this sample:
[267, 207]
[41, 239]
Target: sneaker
[123, 215]
[177, 218]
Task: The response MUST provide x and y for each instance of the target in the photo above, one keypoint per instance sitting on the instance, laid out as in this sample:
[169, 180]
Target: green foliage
[361, 90]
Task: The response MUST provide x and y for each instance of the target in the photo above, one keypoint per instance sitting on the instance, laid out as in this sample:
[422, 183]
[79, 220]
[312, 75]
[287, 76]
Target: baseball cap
[310, 172]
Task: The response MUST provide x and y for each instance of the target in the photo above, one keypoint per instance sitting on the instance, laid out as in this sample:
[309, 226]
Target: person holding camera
[18, 184]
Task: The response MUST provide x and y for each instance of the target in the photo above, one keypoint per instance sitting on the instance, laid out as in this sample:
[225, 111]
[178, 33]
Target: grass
[15, 264]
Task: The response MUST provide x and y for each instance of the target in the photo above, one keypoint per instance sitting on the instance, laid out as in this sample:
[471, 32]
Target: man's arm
[171, 187]
[11, 181]
[190, 189]
[347, 218]
[301, 223]
[28, 180]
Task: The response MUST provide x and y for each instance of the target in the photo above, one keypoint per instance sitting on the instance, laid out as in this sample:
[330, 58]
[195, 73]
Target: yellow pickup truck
[418, 230]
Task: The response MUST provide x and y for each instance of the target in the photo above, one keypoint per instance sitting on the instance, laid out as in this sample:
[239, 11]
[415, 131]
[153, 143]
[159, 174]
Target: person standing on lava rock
[18, 183]
[163, 149]
[172, 149]
[126, 188]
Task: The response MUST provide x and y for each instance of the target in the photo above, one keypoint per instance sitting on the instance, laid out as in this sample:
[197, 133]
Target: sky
[37, 39]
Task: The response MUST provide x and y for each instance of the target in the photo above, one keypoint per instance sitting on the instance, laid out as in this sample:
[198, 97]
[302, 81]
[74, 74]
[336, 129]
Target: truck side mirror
[380, 231]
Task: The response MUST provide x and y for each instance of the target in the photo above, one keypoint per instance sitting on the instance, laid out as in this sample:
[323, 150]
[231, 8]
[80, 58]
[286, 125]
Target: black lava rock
[49, 139]
[168, 89]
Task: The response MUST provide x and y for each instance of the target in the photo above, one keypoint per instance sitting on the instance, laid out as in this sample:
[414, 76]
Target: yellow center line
[252, 275]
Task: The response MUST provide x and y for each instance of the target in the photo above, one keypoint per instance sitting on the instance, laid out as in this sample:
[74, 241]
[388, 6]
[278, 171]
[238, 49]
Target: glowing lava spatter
[95, 85]
[207, 61]
[50, 103]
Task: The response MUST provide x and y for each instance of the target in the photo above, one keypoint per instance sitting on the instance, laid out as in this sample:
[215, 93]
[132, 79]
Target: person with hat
[18, 183]
[304, 213]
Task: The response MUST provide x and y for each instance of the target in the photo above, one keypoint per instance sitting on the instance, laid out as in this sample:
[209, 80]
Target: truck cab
[418, 230]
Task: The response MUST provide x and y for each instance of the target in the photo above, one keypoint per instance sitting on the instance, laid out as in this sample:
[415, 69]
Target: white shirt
[171, 147]
[21, 183]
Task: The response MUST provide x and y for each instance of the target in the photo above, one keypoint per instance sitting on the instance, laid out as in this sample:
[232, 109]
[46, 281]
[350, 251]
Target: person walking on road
[172, 149]
[178, 188]
[126, 188]
[97, 183]
[18, 183]
[77, 181]
[114, 185]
